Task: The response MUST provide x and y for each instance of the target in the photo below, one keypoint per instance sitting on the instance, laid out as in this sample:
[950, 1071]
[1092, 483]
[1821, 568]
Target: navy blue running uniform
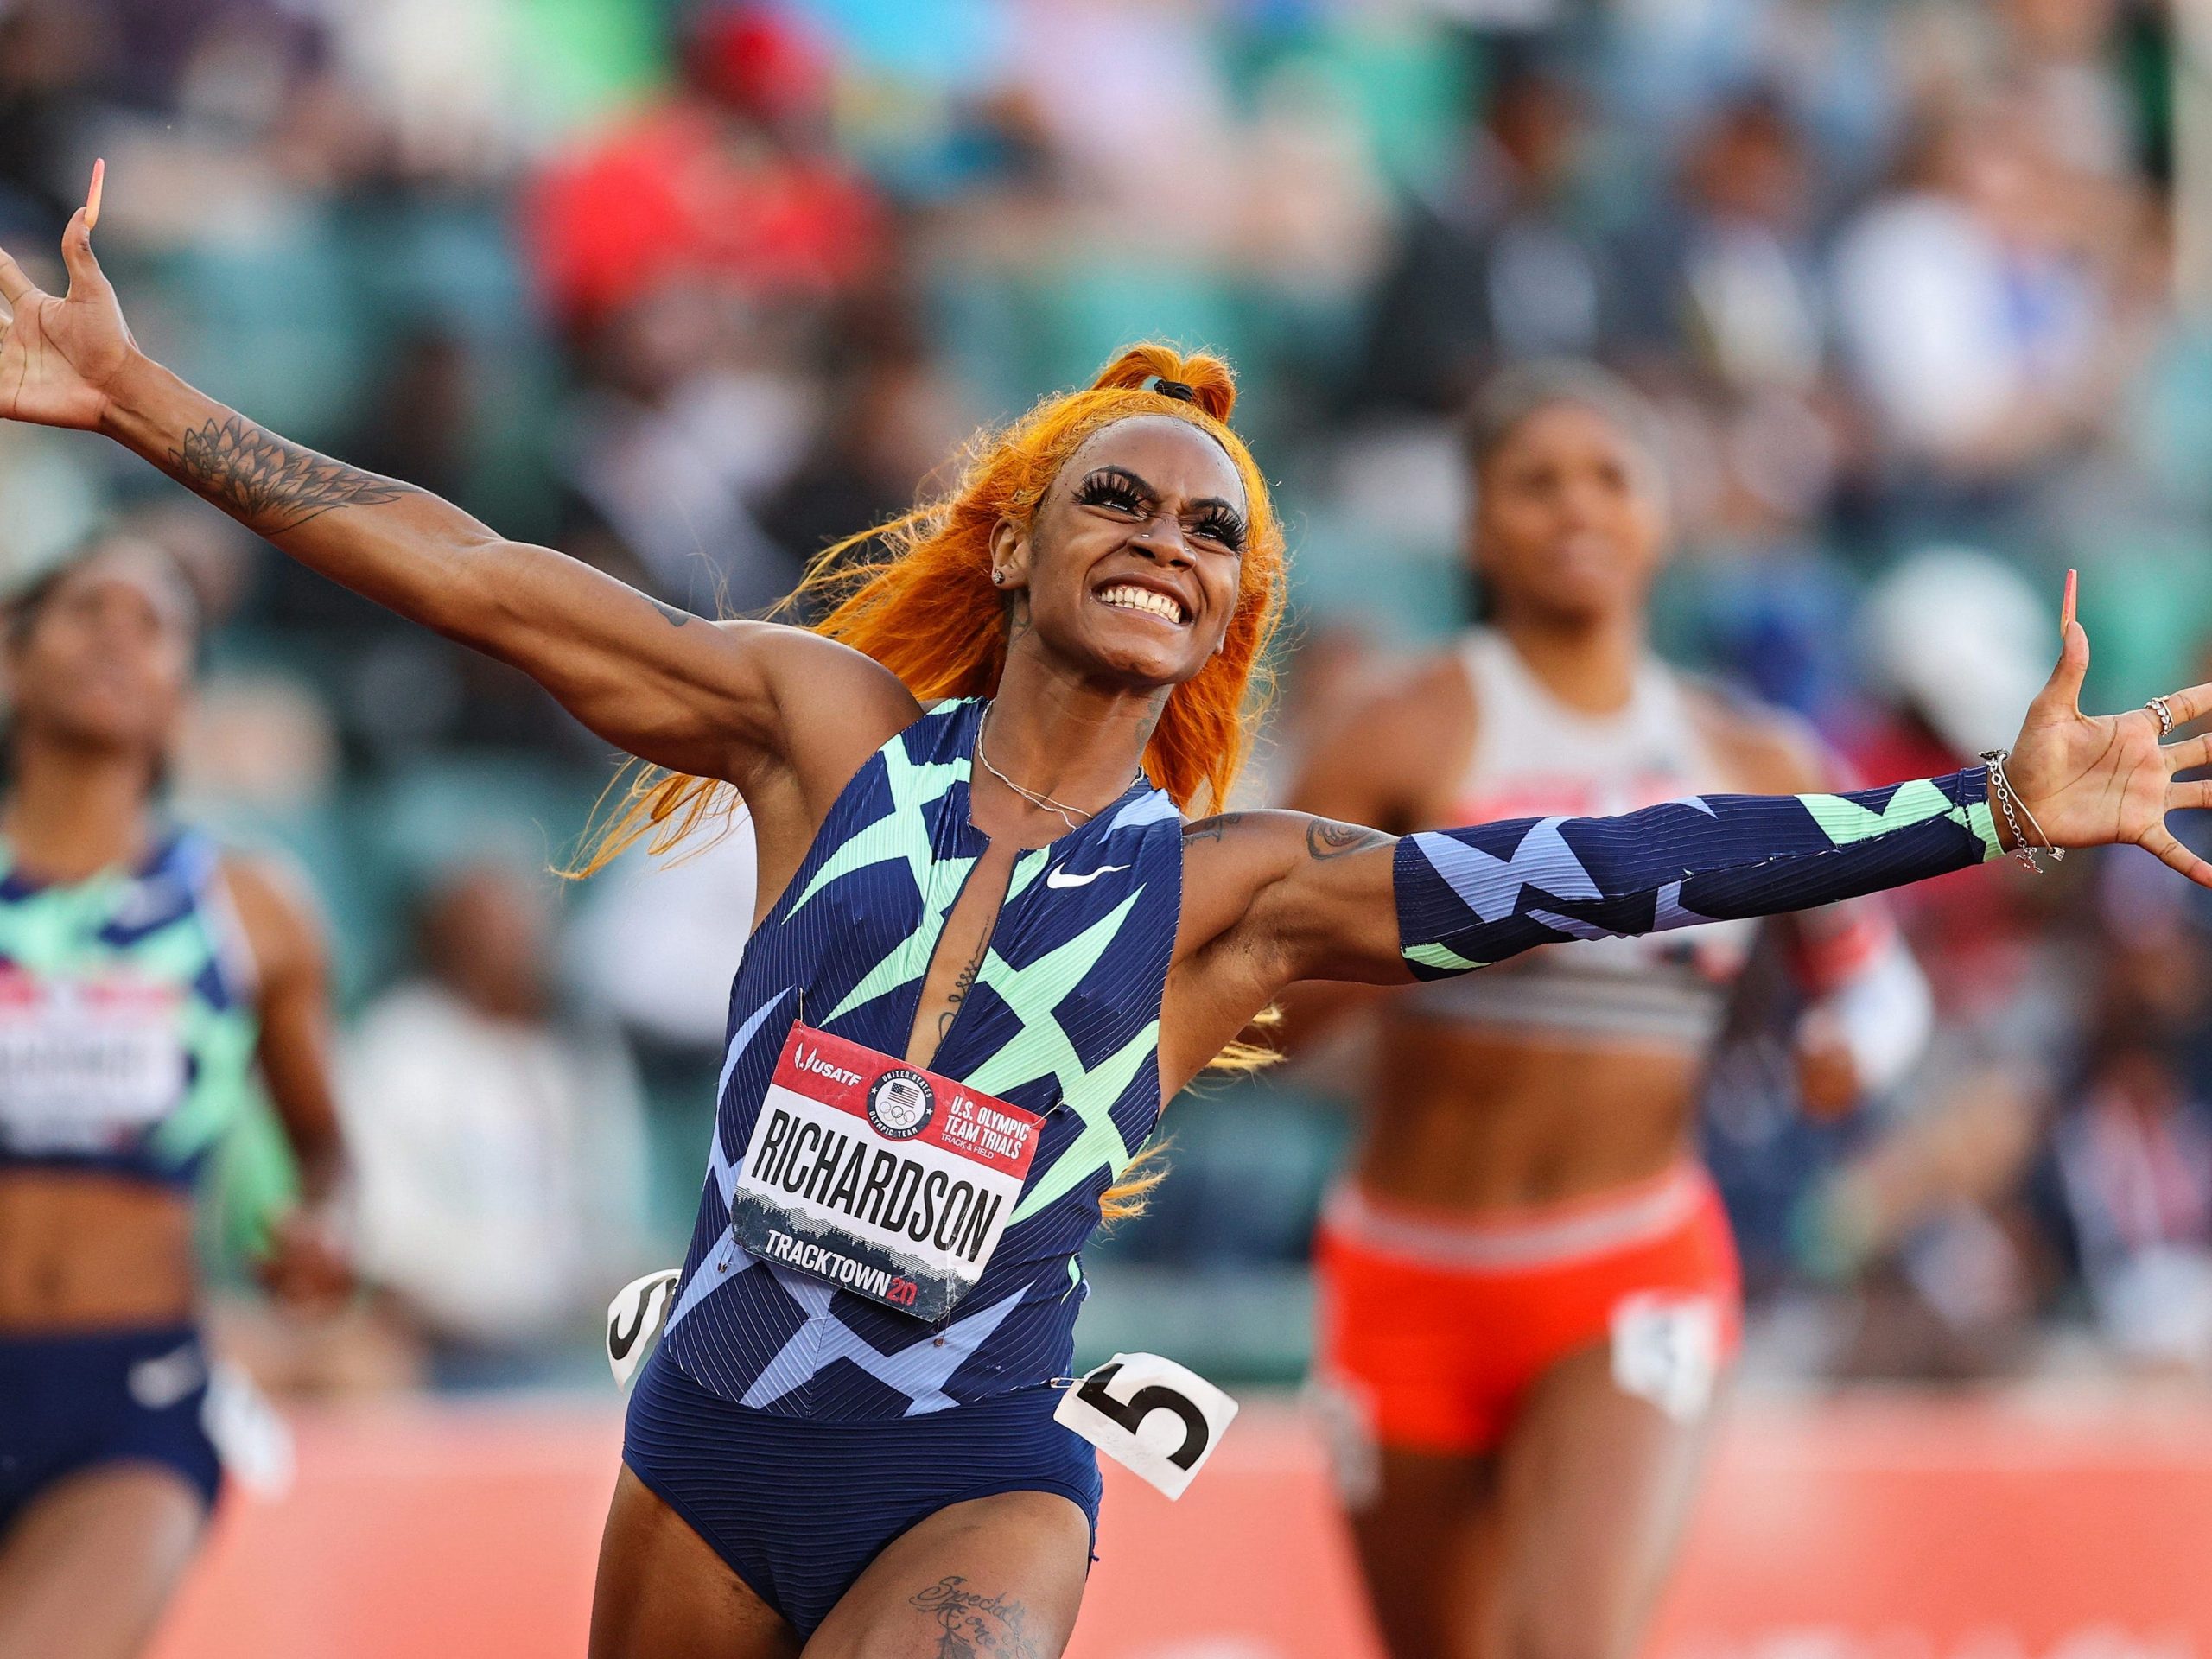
[799, 1427]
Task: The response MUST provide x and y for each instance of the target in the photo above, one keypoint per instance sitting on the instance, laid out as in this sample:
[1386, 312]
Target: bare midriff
[85, 1252]
[1488, 1122]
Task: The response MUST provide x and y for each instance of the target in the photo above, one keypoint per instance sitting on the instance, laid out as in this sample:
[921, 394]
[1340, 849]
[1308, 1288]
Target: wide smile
[1145, 601]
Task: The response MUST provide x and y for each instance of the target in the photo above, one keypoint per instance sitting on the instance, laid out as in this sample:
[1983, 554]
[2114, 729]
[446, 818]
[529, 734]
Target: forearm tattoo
[269, 484]
[972, 1625]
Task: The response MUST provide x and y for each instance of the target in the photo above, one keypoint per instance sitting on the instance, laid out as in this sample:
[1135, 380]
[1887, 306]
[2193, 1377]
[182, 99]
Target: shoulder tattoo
[1325, 838]
[1212, 828]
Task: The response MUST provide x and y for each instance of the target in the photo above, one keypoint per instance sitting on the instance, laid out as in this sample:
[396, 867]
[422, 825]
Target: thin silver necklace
[1059, 809]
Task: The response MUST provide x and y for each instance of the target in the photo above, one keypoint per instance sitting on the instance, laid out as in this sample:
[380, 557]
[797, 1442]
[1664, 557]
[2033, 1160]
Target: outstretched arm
[1463, 899]
[307, 1264]
[695, 696]
[1333, 901]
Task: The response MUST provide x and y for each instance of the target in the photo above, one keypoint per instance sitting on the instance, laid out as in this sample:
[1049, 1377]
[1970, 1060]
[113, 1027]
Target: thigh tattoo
[976, 1624]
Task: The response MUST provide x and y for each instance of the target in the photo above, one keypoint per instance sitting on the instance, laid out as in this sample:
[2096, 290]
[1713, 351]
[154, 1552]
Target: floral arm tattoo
[269, 484]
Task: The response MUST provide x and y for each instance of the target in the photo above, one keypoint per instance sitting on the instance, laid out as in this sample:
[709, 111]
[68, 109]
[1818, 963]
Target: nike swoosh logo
[1062, 879]
[160, 1382]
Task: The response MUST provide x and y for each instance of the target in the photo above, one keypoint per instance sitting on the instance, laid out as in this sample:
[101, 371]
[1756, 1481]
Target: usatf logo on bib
[878, 1177]
[900, 1104]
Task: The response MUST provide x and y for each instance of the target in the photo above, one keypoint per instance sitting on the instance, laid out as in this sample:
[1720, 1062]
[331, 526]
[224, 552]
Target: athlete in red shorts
[1529, 1287]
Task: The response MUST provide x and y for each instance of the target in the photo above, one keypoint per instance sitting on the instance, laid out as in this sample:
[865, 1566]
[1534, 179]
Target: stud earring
[998, 578]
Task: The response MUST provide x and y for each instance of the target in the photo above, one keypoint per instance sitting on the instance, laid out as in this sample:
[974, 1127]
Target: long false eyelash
[1115, 488]
[1110, 486]
[1224, 527]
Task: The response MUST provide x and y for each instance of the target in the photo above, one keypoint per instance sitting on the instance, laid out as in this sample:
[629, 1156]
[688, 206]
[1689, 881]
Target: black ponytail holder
[1175, 389]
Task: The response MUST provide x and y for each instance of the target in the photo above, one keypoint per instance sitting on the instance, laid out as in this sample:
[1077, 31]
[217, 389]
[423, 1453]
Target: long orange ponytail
[916, 596]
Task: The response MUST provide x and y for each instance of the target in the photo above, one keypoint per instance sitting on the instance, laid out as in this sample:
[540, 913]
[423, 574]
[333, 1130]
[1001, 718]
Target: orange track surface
[1891, 1528]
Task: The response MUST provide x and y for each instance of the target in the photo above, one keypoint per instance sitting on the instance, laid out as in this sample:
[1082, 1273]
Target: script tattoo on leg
[268, 483]
[1327, 839]
[973, 1623]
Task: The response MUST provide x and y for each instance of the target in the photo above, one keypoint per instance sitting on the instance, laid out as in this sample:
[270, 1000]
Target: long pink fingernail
[2066, 606]
[92, 195]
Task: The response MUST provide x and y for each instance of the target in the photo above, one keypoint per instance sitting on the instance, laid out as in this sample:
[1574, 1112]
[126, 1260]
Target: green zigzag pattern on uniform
[910, 959]
[1983, 822]
[900, 833]
[1846, 821]
[45, 933]
[1040, 1046]
[1440, 956]
[896, 833]
[1099, 1146]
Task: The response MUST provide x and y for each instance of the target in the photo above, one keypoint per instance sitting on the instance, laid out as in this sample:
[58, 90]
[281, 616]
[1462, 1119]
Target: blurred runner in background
[1529, 1292]
[145, 975]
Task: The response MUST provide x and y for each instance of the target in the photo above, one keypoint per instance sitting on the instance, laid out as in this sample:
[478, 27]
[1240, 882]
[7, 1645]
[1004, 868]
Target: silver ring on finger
[2158, 706]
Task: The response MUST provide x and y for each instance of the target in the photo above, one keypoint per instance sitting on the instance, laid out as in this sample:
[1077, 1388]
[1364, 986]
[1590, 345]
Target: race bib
[87, 1065]
[878, 1177]
[634, 1318]
[249, 1435]
[1666, 1350]
[1159, 1419]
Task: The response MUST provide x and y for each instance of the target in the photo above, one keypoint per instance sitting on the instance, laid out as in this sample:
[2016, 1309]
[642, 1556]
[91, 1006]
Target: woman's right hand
[59, 358]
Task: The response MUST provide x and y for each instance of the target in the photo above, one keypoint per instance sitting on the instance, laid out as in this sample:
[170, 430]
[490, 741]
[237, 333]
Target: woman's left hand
[307, 1267]
[2095, 780]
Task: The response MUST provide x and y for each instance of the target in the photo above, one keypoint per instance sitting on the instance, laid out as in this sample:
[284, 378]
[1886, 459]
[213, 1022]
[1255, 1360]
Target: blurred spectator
[892, 420]
[500, 1154]
[2132, 1157]
[1494, 265]
[732, 177]
[259, 746]
[2061, 51]
[1972, 301]
[1132, 98]
[1913, 1219]
[1723, 301]
[1842, 68]
[696, 253]
[1956, 644]
[2135, 1170]
[46, 56]
[688, 418]
[1724, 277]
[657, 942]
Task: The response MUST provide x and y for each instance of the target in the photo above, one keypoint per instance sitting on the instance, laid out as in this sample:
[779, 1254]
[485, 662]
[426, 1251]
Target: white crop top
[1535, 757]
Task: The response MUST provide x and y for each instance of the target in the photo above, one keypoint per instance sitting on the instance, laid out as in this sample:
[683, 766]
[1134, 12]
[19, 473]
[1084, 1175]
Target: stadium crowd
[690, 288]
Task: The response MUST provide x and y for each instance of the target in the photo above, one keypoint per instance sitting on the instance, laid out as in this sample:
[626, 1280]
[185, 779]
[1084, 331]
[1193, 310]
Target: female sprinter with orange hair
[989, 944]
